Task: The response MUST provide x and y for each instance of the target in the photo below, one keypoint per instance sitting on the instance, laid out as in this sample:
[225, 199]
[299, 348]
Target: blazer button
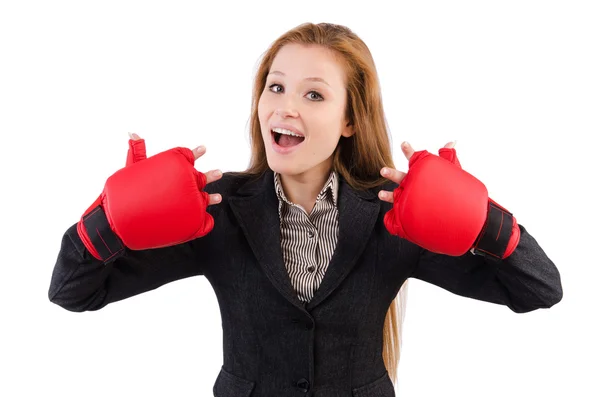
[309, 326]
[303, 385]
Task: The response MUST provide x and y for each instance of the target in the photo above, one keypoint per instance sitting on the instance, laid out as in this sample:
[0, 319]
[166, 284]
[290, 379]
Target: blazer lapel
[255, 206]
[358, 212]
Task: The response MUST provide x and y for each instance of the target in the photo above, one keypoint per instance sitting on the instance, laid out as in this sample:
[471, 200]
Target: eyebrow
[308, 78]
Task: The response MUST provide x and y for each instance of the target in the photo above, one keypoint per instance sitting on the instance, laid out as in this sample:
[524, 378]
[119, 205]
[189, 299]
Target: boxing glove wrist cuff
[105, 244]
[497, 232]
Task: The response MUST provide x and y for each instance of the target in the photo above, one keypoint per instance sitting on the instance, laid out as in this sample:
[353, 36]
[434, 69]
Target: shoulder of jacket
[228, 184]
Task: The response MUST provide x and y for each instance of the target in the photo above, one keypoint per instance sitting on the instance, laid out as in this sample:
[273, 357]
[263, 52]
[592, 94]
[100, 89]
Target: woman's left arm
[440, 210]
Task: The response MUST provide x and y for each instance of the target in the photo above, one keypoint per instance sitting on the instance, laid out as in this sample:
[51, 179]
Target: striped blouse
[308, 240]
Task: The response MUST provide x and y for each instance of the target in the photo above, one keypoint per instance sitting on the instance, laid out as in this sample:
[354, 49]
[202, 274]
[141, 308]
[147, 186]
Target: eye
[273, 85]
[316, 93]
[319, 97]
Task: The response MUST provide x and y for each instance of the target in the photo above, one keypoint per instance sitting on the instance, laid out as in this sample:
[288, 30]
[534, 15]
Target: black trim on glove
[108, 245]
[493, 239]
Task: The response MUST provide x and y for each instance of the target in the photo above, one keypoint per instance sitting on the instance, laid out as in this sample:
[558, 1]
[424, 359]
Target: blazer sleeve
[81, 282]
[525, 281]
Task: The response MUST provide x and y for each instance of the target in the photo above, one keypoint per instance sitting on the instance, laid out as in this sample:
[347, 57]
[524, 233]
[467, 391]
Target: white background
[515, 82]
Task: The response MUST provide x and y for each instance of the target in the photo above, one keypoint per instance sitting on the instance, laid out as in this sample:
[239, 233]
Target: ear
[348, 130]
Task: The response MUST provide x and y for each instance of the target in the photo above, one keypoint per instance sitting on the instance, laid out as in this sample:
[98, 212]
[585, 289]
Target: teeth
[286, 132]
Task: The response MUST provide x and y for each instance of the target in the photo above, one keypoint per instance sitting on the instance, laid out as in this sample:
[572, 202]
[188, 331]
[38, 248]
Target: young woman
[308, 270]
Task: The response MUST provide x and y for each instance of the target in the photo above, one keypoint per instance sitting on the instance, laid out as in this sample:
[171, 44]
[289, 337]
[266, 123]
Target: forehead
[298, 61]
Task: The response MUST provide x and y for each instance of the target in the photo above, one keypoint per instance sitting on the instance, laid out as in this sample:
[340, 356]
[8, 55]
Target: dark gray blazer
[274, 345]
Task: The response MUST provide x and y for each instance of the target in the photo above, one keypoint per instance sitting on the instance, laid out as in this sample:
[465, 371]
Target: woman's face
[305, 92]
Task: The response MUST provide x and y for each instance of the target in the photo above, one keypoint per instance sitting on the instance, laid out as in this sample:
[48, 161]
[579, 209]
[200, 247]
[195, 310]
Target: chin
[283, 169]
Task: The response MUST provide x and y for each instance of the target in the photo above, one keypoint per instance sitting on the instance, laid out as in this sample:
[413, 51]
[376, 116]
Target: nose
[284, 112]
[287, 112]
[286, 108]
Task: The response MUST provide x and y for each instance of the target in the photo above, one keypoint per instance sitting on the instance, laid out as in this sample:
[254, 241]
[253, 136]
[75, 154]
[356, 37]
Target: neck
[303, 189]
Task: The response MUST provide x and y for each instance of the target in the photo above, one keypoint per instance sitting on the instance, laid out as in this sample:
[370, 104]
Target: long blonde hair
[359, 158]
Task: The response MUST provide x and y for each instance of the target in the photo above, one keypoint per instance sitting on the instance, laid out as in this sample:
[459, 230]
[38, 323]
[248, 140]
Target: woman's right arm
[81, 282]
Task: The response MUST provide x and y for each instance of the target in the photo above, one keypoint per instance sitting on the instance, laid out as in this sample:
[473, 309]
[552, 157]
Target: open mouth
[285, 140]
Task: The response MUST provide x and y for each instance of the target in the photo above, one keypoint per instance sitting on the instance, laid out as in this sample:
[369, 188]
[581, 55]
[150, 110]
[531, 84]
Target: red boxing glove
[444, 209]
[151, 203]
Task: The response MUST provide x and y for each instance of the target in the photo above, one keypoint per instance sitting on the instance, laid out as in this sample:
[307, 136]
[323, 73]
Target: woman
[308, 276]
